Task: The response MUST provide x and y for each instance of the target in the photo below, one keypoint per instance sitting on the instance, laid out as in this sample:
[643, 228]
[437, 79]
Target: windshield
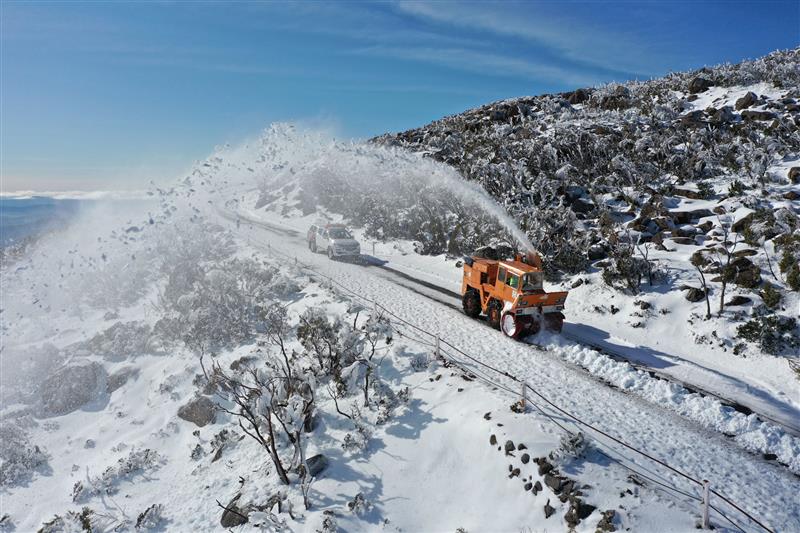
[532, 282]
[339, 233]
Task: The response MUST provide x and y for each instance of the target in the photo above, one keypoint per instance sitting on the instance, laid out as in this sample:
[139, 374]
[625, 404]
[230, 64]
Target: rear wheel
[471, 302]
[493, 313]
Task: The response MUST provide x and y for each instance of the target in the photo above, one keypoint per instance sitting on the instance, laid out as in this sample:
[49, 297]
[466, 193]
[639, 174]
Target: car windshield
[532, 282]
[339, 233]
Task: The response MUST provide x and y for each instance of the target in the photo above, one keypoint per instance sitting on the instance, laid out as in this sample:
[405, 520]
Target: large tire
[330, 253]
[471, 302]
[512, 325]
[312, 245]
[494, 314]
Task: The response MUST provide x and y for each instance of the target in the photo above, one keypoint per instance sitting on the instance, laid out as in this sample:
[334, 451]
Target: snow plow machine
[511, 295]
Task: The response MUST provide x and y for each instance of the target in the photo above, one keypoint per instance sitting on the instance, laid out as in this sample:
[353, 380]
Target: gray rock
[537, 487]
[316, 464]
[794, 175]
[694, 294]
[233, 516]
[493, 440]
[509, 447]
[525, 458]
[577, 283]
[723, 115]
[200, 411]
[578, 96]
[554, 482]
[544, 468]
[528, 485]
[753, 114]
[548, 510]
[700, 84]
[746, 101]
[738, 300]
[71, 387]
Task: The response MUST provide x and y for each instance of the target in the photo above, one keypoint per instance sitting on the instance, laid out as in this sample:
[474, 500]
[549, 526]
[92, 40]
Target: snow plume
[374, 185]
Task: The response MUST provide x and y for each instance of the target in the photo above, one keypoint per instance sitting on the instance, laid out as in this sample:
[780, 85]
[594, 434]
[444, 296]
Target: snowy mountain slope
[125, 460]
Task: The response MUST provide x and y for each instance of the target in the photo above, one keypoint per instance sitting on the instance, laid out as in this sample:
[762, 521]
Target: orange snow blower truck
[511, 295]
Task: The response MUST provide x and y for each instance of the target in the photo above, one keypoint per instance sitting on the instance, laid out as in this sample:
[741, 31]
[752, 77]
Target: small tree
[726, 271]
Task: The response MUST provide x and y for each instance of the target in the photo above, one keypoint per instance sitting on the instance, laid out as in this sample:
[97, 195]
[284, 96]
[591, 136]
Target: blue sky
[109, 95]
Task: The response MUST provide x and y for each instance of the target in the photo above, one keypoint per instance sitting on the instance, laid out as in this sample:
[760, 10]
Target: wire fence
[483, 371]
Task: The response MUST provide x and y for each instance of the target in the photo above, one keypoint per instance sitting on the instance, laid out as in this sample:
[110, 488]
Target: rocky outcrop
[201, 411]
[71, 387]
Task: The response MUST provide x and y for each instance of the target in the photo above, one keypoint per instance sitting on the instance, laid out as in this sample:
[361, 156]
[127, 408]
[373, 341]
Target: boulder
[548, 510]
[739, 225]
[753, 114]
[525, 458]
[700, 84]
[685, 217]
[537, 487]
[694, 294]
[233, 516]
[316, 464]
[723, 115]
[791, 195]
[746, 101]
[71, 387]
[687, 192]
[794, 175]
[578, 96]
[554, 482]
[738, 300]
[200, 411]
[686, 241]
[509, 447]
[693, 119]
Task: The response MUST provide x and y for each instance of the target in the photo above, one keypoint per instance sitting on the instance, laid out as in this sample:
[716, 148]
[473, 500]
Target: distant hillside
[687, 182]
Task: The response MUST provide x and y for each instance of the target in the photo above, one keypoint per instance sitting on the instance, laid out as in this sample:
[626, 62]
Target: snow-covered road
[766, 490]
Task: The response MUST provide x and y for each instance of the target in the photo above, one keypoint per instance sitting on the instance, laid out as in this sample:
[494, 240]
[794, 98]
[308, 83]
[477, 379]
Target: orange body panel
[482, 275]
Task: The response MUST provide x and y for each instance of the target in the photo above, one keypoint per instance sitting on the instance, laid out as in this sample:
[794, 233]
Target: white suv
[334, 240]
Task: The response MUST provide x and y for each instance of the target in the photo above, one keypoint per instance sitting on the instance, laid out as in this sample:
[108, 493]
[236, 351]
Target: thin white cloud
[567, 38]
[482, 63]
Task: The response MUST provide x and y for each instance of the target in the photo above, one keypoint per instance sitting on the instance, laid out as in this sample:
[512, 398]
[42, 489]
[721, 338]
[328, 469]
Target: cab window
[501, 275]
[512, 281]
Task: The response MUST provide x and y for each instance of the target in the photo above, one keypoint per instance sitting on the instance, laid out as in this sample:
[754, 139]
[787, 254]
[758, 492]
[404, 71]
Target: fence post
[706, 496]
[438, 351]
[373, 248]
[524, 395]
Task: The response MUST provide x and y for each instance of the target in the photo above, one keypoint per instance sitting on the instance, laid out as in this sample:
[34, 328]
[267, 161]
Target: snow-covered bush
[774, 334]
[137, 462]
[122, 340]
[217, 305]
[150, 518]
[19, 458]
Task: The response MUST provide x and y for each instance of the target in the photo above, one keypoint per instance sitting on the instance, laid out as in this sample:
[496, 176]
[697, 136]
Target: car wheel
[330, 253]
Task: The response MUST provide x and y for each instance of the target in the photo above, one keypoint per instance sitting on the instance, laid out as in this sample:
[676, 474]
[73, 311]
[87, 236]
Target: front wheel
[511, 325]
